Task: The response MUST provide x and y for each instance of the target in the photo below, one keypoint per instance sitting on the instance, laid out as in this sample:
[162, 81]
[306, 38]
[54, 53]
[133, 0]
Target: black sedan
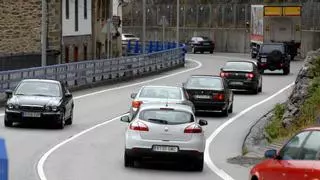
[201, 44]
[209, 93]
[242, 75]
[39, 99]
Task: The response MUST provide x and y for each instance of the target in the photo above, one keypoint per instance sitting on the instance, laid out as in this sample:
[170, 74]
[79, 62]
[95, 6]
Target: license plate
[206, 44]
[31, 114]
[202, 96]
[236, 83]
[165, 148]
[263, 60]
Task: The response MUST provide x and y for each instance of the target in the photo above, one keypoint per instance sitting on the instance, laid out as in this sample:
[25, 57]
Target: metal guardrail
[135, 47]
[89, 72]
[4, 166]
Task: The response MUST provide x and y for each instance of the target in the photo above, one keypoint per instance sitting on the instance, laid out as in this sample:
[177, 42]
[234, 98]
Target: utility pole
[44, 33]
[144, 26]
[178, 21]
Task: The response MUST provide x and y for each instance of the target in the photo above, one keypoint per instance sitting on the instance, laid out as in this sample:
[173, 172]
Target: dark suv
[273, 56]
[201, 44]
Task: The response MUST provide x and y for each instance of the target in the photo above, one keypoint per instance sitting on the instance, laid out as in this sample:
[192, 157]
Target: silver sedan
[165, 132]
[158, 94]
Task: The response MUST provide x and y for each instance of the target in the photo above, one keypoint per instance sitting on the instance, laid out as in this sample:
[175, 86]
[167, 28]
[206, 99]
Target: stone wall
[20, 26]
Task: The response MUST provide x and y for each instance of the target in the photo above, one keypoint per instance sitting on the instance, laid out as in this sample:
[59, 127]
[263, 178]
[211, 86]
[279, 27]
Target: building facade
[77, 30]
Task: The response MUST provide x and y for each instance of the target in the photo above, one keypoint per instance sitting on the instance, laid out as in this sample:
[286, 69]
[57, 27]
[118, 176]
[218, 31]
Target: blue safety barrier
[4, 168]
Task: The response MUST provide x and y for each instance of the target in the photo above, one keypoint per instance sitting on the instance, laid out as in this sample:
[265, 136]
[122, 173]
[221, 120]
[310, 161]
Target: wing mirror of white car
[125, 119]
[133, 95]
[203, 122]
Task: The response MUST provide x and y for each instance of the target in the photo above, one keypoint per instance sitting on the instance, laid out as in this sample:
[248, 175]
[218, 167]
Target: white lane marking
[138, 83]
[207, 157]
[40, 165]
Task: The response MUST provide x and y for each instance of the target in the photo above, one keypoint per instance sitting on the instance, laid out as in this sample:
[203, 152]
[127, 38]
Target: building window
[76, 18]
[67, 9]
[66, 54]
[75, 53]
[85, 53]
[85, 9]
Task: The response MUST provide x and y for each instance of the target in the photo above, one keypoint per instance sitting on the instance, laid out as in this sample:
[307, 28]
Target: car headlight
[54, 108]
[48, 108]
[10, 106]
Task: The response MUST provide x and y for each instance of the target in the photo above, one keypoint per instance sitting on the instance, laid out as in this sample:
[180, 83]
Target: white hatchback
[165, 132]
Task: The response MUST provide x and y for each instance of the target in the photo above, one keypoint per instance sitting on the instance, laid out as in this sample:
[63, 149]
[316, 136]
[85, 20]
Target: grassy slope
[309, 111]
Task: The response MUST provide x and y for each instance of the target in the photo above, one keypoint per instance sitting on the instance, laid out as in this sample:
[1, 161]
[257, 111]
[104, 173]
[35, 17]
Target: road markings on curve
[44, 157]
[207, 157]
[138, 83]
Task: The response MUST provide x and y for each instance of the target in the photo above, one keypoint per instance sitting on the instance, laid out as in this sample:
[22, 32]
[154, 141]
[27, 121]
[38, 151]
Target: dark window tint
[166, 116]
[161, 92]
[67, 9]
[270, 48]
[311, 148]
[129, 35]
[291, 149]
[205, 83]
[33, 88]
[238, 66]
[85, 9]
[76, 18]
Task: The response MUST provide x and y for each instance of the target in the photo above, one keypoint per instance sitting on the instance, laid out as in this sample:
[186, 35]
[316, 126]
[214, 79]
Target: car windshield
[166, 116]
[270, 48]
[204, 82]
[129, 35]
[202, 39]
[161, 92]
[238, 66]
[38, 89]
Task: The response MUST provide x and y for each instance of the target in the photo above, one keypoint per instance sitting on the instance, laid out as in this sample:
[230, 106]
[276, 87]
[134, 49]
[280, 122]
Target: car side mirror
[9, 93]
[270, 153]
[133, 95]
[125, 119]
[68, 95]
[203, 122]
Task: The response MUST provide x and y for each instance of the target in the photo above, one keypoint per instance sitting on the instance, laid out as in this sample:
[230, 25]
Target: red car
[299, 159]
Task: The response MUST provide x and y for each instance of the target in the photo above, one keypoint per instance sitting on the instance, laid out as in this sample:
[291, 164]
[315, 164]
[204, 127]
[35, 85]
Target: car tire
[128, 160]
[211, 52]
[61, 121]
[193, 50]
[225, 112]
[69, 121]
[260, 87]
[198, 164]
[7, 123]
[255, 89]
[286, 70]
[230, 110]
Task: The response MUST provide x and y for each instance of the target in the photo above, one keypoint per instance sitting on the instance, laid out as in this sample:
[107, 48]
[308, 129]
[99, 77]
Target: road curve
[98, 153]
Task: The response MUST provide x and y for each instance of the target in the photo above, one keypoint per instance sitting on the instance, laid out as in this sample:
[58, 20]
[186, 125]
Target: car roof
[179, 107]
[41, 80]
[161, 86]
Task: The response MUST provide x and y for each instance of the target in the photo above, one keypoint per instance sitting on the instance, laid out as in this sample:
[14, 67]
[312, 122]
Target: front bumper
[17, 116]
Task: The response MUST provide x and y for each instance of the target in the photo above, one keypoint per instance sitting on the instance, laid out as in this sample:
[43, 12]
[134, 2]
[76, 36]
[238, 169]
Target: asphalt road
[98, 153]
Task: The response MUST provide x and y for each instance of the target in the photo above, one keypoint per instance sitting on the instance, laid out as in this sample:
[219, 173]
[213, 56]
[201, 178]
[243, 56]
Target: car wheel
[255, 89]
[260, 87]
[128, 160]
[7, 123]
[61, 121]
[69, 121]
[211, 52]
[193, 50]
[286, 71]
[225, 112]
[198, 164]
[230, 109]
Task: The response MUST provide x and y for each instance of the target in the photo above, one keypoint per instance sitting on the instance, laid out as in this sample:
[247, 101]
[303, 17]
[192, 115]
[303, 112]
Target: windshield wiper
[159, 120]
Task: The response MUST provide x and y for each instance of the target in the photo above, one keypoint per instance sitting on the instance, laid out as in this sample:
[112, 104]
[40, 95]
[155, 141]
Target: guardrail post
[136, 48]
[150, 47]
[4, 165]
[129, 47]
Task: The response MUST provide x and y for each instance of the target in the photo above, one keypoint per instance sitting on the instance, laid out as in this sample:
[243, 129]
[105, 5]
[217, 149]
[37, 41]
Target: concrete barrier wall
[226, 39]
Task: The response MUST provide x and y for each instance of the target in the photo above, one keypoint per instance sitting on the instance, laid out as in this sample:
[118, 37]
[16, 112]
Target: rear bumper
[246, 85]
[149, 153]
[16, 116]
[209, 106]
[204, 48]
[272, 66]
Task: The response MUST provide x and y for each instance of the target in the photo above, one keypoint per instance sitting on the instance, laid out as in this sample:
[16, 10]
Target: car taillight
[138, 126]
[193, 129]
[218, 97]
[224, 74]
[250, 75]
[136, 104]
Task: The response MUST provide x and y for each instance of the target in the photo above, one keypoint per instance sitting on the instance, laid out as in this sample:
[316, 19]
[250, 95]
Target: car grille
[31, 108]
